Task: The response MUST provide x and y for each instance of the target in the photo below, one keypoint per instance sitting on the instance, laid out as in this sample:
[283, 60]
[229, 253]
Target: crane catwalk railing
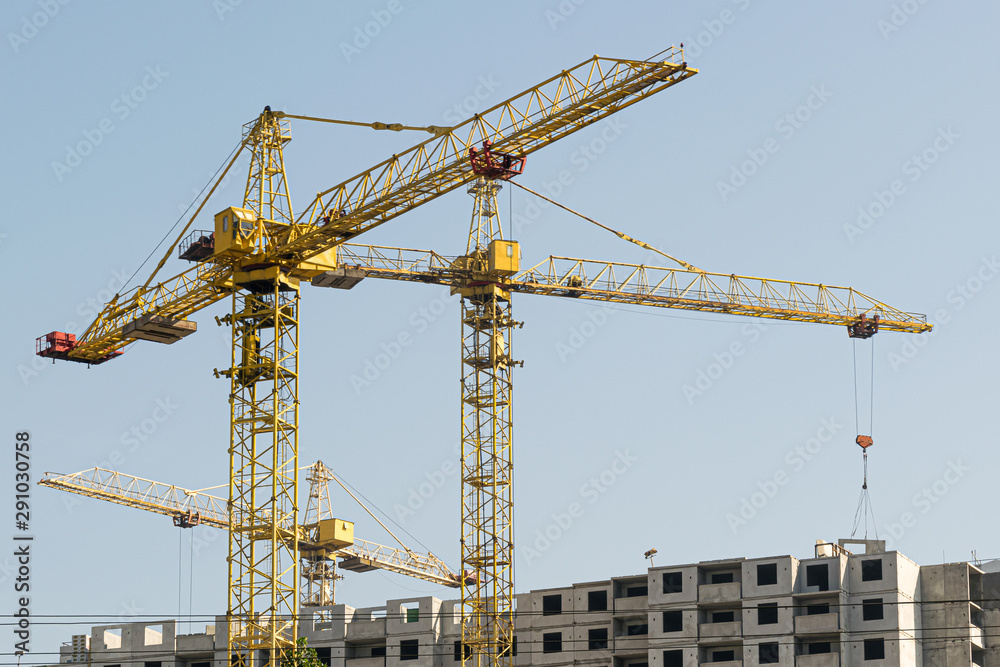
[717, 292]
[141, 493]
[559, 106]
[178, 297]
[638, 284]
[401, 260]
[565, 103]
[424, 566]
[175, 501]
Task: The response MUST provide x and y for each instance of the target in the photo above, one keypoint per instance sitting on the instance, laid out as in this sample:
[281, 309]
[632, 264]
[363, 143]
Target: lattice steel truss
[487, 499]
[263, 453]
[319, 575]
[267, 188]
[287, 249]
[263, 544]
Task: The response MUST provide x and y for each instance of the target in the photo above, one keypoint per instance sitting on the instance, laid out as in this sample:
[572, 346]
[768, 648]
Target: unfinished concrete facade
[834, 609]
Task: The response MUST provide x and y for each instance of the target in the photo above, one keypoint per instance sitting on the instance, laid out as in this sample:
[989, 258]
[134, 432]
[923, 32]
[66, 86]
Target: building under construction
[835, 608]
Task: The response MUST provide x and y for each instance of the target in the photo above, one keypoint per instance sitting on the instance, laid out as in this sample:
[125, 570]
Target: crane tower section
[487, 463]
[263, 453]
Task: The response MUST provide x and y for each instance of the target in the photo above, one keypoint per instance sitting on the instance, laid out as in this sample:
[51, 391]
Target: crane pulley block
[864, 441]
[189, 519]
[573, 282]
[863, 327]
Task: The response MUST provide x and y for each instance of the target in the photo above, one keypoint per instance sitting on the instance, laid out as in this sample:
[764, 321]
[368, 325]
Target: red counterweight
[58, 345]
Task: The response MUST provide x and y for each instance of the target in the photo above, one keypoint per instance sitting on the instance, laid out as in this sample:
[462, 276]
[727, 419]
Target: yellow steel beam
[403, 561]
[714, 292]
[553, 109]
[180, 296]
[394, 127]
[144, 494]
[637, 284]
[263, 481]
[177, 502]
[487, 446]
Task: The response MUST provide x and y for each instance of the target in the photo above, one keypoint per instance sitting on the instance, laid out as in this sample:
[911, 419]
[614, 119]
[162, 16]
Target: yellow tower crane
[323, 538]
[258, 254]
[486, 277]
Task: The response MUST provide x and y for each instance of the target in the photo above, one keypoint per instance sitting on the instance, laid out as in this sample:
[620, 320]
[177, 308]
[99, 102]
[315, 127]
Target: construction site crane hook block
[189, 520]
[864, 441]
[863, 327]
[494, 165]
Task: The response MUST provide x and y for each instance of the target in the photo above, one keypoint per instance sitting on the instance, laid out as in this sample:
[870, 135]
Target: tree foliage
[302, 656]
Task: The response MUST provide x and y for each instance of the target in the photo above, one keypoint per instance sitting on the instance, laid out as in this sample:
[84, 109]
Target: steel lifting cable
[854, 348]
[180, 562]
[216, 179]
[621, 235]
[190, 580]
[864, 504]
[871, 395]
[865, 508]
[871, 390]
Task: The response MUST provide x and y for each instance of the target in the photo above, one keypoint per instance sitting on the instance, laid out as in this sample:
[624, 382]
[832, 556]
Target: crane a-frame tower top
[257, 254]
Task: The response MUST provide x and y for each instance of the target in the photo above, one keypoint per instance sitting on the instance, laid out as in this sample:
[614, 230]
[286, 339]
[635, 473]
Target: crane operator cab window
[234, 231]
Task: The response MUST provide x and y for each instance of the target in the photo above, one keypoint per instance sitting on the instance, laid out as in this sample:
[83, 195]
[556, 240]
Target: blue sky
[847, 144]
